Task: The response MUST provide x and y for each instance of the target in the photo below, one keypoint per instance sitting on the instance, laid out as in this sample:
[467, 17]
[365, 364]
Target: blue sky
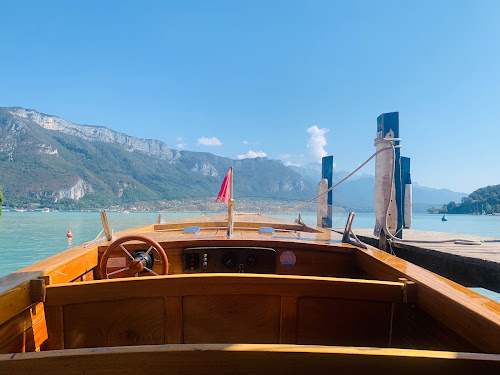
[230, 77]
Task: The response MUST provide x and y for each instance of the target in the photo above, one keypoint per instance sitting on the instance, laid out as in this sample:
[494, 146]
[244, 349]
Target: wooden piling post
[322, 203]
[388, 127]
[407, 191]
[327, 173]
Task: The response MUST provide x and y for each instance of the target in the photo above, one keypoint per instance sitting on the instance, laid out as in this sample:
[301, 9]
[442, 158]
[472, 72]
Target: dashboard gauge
[229, 260]
[251, 260]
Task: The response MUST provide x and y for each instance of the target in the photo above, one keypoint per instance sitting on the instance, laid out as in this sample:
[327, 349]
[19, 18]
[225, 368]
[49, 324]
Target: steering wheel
[130, 264]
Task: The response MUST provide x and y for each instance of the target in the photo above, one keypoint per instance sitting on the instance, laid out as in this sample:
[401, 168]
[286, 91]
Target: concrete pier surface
[470, 265]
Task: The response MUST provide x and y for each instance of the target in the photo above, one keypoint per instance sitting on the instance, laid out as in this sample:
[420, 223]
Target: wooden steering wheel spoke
[136, 264]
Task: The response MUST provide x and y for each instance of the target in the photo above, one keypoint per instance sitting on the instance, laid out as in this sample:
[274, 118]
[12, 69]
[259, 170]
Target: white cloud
[284, 156]
[253, 154]
[209, 141]
[245, 142]
[289, 163]
[181, 145]
[179, 139]
[317, 142]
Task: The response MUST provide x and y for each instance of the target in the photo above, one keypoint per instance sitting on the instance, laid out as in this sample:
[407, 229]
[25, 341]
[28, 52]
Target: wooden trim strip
[173, 320]
[288, 323]
[55, 328]
[201, 284]
[248, 359]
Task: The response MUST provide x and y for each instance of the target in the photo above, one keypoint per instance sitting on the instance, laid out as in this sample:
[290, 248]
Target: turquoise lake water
[28, 237]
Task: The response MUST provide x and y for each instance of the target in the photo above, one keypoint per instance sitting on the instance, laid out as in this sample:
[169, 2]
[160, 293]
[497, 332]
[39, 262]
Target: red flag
[224, 189]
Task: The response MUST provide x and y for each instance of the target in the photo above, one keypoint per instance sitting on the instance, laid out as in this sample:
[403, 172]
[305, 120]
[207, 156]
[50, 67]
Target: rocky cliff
[48, 160]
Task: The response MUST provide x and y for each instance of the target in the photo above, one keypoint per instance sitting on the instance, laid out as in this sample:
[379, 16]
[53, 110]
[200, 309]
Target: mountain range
[358, 192]
[48, 161]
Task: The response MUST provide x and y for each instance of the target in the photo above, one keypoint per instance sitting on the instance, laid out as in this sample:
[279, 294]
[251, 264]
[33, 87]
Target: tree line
[482, 201]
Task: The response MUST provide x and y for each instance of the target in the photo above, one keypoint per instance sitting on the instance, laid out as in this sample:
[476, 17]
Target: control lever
[242, 266]
[346, 238]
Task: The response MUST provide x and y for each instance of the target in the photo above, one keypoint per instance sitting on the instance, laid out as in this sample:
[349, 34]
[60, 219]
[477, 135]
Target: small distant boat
[45, 209]
[444, 218]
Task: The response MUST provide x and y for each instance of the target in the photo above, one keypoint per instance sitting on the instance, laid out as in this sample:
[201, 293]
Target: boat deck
[278, 293]
[470, 265]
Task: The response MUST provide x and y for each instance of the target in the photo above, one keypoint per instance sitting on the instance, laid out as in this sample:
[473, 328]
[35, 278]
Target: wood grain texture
[25, 332]
[248, 359]
[318, 263]
[173, 320]
[414, 328]
[55, 328]
[472, 316]
[15, 291]
[137, 321]
[37, 290]
[288, 325]
[328, 321]
[231, 319]
[203, 284]
[13, 328]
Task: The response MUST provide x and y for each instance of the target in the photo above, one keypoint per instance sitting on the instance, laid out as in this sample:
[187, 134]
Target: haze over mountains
[47, 160]
[358, 192]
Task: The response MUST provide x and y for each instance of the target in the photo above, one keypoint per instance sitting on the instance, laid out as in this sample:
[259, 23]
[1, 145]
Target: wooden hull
[322, 305]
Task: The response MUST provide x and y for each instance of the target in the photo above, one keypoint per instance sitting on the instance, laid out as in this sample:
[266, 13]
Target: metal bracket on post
[346, 238]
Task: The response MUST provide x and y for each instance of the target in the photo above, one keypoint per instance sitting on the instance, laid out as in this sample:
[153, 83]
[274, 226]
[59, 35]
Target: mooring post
[407, 191]
[322, 203]
[327, 173]
[385, 194]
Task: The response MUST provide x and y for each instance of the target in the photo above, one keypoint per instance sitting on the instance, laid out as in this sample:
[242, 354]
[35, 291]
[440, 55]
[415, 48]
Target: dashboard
[229, 259]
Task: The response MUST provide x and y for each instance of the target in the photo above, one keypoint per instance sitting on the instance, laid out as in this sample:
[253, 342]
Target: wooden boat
[276, 297]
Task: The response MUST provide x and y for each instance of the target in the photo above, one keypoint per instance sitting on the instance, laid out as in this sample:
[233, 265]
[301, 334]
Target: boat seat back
[222, 308]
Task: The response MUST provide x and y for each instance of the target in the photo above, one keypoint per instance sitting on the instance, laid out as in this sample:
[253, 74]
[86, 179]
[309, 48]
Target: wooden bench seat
[216, 308]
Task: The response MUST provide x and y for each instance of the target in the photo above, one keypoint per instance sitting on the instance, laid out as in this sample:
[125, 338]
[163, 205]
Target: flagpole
[230, 208]
[231, 189]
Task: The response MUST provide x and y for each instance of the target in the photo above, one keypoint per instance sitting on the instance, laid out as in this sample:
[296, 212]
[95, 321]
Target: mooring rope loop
[393, 148]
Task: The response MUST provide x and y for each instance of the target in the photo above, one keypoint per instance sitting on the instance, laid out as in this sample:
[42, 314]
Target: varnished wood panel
[202, 284]
[468, 314]
[414, 329]
[318, 263]
[55, 328]
[327, 321]
[14, 301]
[173, 320]
[40, 335]
[231, 319]
[13, 328]
[74, 268]
[15, 296]
[288, 326]
[39, 325]
[18, 344]
[28, 341]
[249, 360]
[25, 332]
[138, 321]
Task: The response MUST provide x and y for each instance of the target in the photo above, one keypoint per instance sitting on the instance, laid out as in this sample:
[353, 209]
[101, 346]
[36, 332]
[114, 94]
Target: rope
[95, 239]
[392, 147]
[386, 230]
[333, 187]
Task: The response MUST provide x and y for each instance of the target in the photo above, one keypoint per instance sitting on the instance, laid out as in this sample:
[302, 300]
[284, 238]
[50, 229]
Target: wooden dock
[470, 265]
